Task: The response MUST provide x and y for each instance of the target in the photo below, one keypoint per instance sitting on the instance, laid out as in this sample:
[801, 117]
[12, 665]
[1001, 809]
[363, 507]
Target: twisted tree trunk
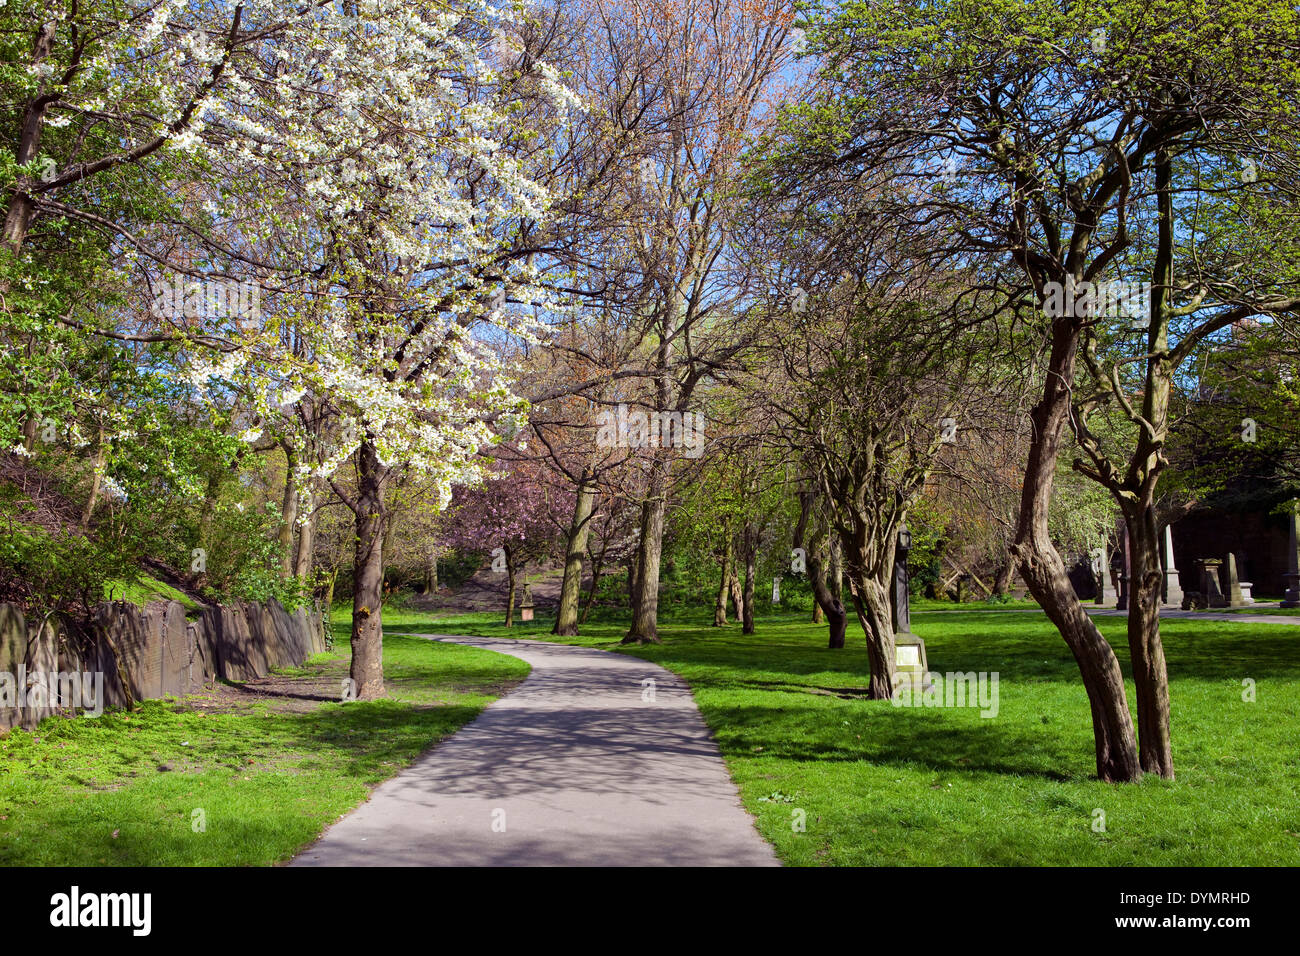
[1045, 576]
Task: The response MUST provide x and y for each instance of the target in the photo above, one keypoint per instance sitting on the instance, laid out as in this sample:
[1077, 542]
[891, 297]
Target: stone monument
[910, 660]
[1106, 593]
[1210, 585]
[1232, 582]
[1173, 589]
[526, 605]
[1238, 591]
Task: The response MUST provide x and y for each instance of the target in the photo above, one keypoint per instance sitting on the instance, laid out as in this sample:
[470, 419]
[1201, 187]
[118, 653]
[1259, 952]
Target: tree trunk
[1044, 571]
[368, 571]
[289, 511]
[720, 606]
[1003, 579]
[1145, 647]
[737, 592]
[645, 609]
[431, 570]
[749, 547]
[876, 617]
[829, 601]
[329, 589]
[96, 480]
[22, 207]
[566, 615]
[631, 580]
[510, 588]
[597, 566]
[302, 562]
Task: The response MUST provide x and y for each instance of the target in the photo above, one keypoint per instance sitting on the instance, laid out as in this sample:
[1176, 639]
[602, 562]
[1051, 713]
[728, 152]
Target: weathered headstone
[1210, 582]
[42, 665]
[13, 654]
[175, 650]
[136, 634]
[1292, 575]
[1173, 588]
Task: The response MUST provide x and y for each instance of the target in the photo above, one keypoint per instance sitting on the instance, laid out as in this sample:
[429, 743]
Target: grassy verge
[144, 590]
[883, 785]
[123, 789]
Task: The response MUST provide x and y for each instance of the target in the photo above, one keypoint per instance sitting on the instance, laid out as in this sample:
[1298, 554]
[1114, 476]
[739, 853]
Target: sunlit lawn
[123, 789]
[881, 784]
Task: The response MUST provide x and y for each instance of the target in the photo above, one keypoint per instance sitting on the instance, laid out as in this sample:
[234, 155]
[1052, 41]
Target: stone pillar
[1106, 593]
[1210, 582]
[776, 590]
[1292, 575]
[1173, 589]
[1233, 583]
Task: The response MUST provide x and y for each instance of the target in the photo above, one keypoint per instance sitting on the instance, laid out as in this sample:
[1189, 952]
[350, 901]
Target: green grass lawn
[123, 789]
[884, 785]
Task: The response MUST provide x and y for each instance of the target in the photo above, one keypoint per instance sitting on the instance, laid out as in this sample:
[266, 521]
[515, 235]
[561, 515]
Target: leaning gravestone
[136, 635]
[42, 665]
[175, 650]
[13, 654]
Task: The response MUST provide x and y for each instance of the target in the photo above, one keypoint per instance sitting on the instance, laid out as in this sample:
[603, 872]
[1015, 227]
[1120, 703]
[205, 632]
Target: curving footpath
[573, 768]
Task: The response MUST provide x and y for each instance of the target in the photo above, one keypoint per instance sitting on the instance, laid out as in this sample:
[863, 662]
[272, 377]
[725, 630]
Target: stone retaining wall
[149, 652]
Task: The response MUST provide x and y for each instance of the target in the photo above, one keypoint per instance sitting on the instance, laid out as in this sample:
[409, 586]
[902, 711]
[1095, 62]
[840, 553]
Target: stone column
[1292, 575]
[1233, 582]
[1107, 594]
[1173, 589]
[776, 590]
[1210, 582]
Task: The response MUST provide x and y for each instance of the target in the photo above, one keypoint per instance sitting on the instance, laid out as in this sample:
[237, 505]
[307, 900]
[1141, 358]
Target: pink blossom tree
[517, 512]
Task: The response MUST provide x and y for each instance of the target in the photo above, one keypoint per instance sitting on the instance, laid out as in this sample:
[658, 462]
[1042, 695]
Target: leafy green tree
[1151, 144]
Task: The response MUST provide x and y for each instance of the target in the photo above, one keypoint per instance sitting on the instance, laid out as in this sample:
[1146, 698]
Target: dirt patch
[279, 693]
